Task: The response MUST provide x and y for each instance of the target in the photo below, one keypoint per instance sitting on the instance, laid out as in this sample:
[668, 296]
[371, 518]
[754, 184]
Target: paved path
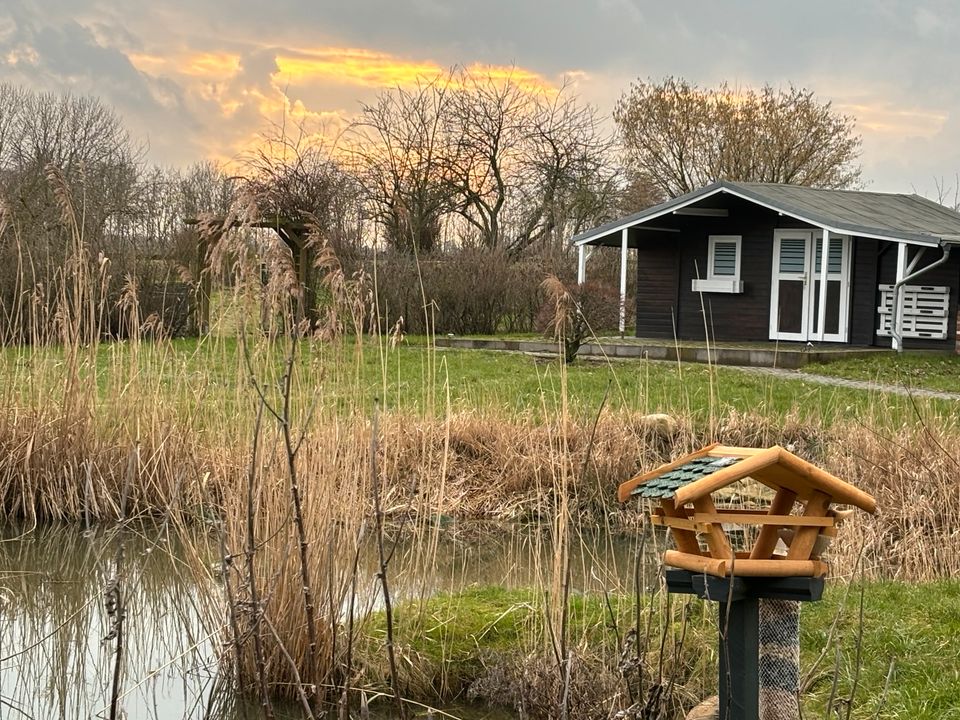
[847, 383]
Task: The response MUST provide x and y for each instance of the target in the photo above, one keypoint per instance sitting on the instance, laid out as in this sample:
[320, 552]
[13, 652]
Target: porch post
[581, 264]
[624, 236]
[824, 268]
[896, 322]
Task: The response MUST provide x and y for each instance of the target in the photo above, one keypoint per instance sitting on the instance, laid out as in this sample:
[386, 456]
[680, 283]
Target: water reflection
[55, 663]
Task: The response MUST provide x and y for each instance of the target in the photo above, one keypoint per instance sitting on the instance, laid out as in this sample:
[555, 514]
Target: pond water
[56, 663]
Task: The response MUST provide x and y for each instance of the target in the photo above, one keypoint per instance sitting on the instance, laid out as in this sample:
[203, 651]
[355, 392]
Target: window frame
[712, 241]
[721, 283]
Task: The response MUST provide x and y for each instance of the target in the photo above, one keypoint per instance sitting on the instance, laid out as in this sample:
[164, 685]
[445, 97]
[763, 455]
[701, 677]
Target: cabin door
[795, 291]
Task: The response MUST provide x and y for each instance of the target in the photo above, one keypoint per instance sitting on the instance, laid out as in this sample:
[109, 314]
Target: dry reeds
[295, 507]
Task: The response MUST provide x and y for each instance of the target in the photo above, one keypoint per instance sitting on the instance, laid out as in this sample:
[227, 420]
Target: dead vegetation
[286, 475]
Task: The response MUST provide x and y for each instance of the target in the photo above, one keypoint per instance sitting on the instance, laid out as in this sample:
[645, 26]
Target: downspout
[898, 289]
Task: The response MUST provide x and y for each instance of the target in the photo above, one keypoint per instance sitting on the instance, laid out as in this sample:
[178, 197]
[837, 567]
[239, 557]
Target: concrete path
[848, 383]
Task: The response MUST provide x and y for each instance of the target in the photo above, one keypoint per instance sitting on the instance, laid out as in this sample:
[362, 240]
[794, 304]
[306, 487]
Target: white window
[723, 266]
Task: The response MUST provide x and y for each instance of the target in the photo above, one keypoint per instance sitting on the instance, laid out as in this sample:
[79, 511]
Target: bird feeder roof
[716, 466]
[666, 484]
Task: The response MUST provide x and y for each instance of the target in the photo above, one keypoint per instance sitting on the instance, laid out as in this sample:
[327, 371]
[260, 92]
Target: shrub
[464, 291]
[572, 313]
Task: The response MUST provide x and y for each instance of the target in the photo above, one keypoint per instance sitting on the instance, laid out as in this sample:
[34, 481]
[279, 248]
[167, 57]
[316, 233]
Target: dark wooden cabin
[744, 262]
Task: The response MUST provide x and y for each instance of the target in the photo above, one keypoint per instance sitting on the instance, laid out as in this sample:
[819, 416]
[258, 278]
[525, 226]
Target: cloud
[884, 117]
[199, 81]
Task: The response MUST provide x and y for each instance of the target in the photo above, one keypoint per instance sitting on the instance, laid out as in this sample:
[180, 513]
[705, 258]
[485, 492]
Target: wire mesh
[779, 659]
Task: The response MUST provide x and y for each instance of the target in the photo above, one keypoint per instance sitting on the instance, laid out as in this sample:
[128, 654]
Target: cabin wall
[865, 291]
[736, 317]
[667, 264]
[658, 272]
[667, 267]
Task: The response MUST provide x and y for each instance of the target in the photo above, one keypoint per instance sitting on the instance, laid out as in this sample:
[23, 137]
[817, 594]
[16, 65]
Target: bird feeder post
[738, 619]
[784, 564]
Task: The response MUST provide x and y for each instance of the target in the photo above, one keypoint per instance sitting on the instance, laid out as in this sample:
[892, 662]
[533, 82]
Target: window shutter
[793, 255]
[725, 258]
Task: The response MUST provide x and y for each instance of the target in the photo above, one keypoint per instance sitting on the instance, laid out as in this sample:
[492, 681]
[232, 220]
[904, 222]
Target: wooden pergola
[294, 234]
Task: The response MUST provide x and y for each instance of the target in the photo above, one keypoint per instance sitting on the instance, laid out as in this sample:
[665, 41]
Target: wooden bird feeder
[784, 563]
[685, 487]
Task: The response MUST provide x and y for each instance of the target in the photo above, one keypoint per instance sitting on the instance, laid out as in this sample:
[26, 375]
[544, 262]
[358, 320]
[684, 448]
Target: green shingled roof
[667, 484]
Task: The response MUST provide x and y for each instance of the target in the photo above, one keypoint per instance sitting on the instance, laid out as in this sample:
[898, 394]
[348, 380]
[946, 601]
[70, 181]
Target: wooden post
[896, 322]
[296, 240]
[303, 275]
[624, 238]
[739, 680]
[204, 282]
[824, 273]
[581, 264]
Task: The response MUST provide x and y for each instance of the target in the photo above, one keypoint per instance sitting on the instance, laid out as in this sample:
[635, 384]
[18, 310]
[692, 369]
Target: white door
[795, 291]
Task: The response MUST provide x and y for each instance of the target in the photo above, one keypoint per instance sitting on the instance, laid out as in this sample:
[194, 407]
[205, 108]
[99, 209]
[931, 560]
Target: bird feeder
[781, 545]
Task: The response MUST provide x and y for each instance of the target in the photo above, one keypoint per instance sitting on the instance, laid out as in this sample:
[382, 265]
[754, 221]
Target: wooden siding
[864, 293]
[658, 264]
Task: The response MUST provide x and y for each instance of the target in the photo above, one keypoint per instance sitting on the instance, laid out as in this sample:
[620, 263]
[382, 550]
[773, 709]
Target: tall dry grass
[85, 421]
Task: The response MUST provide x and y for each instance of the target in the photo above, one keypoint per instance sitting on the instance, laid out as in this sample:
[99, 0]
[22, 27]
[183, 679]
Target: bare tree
[205, 187]
[637, 193]
[489, 125]
[400, 144]
[86, 141]
[512, 164]
[948, 194]
[126, 217]
[566, 179]
[83, 145]
[679, 137]
[11, 106]
[291, 176]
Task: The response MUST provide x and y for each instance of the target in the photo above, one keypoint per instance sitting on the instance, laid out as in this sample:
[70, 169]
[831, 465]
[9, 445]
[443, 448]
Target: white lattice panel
[925, 311]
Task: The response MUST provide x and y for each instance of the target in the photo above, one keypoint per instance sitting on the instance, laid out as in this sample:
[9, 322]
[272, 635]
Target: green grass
[933, 371]
[209, 376]
[915, 626]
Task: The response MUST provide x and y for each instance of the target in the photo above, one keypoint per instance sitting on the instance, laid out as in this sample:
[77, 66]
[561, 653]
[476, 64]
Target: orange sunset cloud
[316, 87]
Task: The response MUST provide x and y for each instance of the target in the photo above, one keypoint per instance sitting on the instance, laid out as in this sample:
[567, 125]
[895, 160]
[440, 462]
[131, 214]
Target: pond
[56, 663]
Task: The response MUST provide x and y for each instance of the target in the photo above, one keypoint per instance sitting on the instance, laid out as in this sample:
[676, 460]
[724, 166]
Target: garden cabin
[745, 262]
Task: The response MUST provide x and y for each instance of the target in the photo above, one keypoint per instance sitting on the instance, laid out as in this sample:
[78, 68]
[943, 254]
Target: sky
[196, 79]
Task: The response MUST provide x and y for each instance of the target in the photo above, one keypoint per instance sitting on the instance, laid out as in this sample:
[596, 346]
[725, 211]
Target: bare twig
[382, 573]
[257, 608]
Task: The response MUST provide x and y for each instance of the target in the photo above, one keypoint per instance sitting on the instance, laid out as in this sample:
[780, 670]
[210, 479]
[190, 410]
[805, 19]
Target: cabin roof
[884, 216]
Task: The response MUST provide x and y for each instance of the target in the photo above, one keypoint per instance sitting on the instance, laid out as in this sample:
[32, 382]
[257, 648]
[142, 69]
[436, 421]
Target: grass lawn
[934, 371]
[914, 627]
[210, 376]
